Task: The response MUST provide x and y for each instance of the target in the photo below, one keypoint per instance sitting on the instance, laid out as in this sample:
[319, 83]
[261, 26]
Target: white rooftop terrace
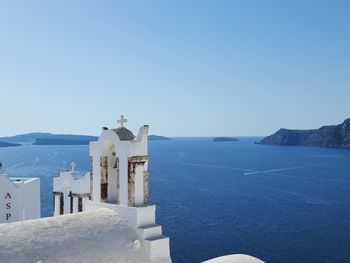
[22, 180]
[89, 237]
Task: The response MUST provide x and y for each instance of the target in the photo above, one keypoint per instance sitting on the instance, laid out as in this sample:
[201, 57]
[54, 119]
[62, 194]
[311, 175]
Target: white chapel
[71, 191]
[118, 180]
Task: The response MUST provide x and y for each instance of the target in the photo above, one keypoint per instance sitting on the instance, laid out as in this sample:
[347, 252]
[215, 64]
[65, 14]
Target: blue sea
[280, 204]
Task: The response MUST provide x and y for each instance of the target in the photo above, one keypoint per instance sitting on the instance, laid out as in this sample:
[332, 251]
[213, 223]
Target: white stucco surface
[70, 181]
[96, 236]
[237, 258]
[19, 198]
[142, 221]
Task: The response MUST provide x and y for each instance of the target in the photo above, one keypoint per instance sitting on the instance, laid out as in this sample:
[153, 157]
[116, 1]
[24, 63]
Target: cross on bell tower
[122, 120]
[73, 165]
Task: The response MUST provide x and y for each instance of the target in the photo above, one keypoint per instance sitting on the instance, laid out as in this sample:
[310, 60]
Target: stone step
[149, 231]
[158, 246]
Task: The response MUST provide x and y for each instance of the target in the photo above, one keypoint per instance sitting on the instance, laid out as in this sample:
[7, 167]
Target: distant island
[158, 138]
[40, 138]
[32, 137]
[224, 139]
[9, 144]
[48, 141]
[334, 136]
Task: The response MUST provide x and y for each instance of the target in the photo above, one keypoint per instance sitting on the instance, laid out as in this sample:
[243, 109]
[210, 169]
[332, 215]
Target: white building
[19, 198]
[71, 191]
[119, 181]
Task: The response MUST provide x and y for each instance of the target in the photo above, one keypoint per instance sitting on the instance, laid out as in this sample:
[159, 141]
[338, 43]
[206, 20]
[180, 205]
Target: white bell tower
[119, 166]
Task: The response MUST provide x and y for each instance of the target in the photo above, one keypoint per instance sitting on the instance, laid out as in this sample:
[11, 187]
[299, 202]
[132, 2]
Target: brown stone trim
[117, 180]
[82, 195]
[133, 162]
[138, 159]
[131, 185]
[91, 177]
[145, 187]
[104, 177]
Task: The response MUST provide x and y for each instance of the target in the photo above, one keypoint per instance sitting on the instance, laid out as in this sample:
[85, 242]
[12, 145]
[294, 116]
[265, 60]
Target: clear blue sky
[186, 68]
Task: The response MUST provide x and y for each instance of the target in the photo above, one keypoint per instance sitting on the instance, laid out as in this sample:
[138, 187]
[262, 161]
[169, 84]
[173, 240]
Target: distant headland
[39, 138]
[158, 138]
[33, 137]
[334, 136]
[224, 139]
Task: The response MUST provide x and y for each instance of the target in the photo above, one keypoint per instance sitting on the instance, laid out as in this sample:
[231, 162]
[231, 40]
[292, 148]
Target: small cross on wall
[73, 165]
[122, 121]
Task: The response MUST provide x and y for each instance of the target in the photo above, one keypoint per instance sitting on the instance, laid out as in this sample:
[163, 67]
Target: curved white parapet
[100, 236]
[237, 258]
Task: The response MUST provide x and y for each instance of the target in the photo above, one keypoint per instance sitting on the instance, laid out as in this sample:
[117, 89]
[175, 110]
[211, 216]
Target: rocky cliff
[335, 136]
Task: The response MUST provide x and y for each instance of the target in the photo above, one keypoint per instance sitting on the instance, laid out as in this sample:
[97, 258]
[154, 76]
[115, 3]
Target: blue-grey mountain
[32, 137]
[40, 138]
[333, 136]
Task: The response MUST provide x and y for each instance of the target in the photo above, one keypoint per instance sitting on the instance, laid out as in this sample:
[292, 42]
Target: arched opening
[113, 175]
[109, 173]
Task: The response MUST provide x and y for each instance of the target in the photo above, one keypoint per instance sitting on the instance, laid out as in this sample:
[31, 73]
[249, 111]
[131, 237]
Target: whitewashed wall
[20, 200]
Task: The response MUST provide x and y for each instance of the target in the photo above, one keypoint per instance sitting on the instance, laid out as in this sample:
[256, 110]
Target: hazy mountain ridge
[333, 136]
[40, 138]
[31, 137]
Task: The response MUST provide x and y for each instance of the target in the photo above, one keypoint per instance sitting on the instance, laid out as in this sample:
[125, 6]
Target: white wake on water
[281, 169]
